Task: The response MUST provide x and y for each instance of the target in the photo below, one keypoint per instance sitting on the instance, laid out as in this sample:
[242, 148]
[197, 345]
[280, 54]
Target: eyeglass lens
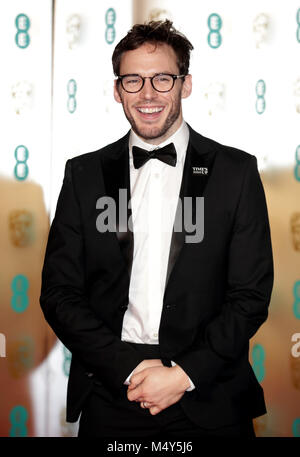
[162, 83]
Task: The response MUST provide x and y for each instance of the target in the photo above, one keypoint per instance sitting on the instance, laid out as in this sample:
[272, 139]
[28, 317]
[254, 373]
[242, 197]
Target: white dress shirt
[154, 196]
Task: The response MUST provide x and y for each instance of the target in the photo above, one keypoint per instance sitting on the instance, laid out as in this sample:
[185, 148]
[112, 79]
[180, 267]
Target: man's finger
[131, 386]
[138, 377]
[134, 394]
[154, 410]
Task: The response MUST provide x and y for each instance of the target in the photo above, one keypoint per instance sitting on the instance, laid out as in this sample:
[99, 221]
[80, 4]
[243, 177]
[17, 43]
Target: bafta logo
[215, 97]
[21, 228]
[20, 356]
[159, 14]
[21, 93]
[295, 230]
[261, 25]
[73, 28]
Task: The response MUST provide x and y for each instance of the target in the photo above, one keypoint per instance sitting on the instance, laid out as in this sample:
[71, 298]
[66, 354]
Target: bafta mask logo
[20, 356]
[21, 228]
[158, 14]
[21, 93]
[261, 26]
[295, 230]
[215, 97]
[73, 28]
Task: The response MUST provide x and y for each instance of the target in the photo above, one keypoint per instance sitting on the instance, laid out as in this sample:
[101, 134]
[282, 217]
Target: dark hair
[155, 32]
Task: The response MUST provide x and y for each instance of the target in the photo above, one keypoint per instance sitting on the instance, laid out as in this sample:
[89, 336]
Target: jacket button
[168, 306]
[89, 375]
[122, 307]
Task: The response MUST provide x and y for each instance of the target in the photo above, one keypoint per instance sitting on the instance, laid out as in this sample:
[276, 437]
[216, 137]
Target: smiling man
[151, 90]
[158, 324]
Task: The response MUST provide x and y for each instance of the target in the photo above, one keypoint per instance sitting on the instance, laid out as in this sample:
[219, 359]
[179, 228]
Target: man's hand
[147, 364]
[158, 387]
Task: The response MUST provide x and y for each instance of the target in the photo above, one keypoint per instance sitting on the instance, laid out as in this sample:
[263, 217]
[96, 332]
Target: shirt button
[156, 175]
[155, 335]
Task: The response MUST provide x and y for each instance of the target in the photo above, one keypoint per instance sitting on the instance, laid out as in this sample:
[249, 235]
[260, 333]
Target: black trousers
[106, 416]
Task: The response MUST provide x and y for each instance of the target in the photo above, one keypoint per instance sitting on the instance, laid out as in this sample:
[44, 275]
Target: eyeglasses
[161, 82]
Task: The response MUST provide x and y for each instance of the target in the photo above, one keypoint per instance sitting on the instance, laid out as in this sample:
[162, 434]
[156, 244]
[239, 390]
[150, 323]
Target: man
[158, 320]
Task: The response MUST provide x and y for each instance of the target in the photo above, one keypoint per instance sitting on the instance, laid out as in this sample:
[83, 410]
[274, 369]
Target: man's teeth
[150, 110]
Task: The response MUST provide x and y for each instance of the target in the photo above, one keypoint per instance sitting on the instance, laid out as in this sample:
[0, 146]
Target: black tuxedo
[217, 291]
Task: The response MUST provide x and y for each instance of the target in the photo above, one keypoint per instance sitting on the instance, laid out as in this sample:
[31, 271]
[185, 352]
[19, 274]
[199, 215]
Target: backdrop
[56, 91]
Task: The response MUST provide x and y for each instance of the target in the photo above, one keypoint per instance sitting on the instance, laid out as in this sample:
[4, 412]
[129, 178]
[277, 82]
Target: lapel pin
[200, 171]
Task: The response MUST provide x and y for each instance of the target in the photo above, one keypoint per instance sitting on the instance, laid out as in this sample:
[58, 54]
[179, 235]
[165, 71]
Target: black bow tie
[166, 154]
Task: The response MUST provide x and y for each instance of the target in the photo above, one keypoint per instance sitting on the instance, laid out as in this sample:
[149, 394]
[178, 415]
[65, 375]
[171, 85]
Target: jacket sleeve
[64, 297]
[248, 291]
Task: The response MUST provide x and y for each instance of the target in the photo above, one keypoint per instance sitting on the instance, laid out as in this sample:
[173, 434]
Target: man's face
[148, 60]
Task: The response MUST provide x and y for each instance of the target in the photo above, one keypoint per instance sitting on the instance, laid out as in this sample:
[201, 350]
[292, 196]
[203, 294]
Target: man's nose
[148, 91]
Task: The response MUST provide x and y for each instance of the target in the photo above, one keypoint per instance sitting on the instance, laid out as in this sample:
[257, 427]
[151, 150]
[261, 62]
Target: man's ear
[116, 92]
[187, 86]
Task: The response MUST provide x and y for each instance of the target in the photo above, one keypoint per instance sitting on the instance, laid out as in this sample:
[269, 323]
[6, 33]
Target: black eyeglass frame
[175, 77]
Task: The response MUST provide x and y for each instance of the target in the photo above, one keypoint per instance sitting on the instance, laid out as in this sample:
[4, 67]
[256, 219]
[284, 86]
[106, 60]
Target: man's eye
[132, 81]
[163, 78]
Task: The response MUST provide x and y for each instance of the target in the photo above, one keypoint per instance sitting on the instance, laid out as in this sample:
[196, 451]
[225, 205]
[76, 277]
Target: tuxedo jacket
[217, 290]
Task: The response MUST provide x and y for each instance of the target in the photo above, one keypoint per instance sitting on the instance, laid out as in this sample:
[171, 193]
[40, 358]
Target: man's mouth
[149, 112]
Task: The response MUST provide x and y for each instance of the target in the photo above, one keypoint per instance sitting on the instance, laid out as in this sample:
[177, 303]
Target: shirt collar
[180, 139]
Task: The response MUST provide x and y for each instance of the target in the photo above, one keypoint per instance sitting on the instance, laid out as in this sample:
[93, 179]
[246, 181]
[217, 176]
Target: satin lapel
[115, 165]
[199, 160]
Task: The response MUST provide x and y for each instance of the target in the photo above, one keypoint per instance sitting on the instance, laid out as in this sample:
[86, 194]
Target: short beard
[156, 132]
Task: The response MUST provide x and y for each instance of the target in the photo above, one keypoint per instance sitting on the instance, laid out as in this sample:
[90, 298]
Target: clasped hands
[156, 386]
